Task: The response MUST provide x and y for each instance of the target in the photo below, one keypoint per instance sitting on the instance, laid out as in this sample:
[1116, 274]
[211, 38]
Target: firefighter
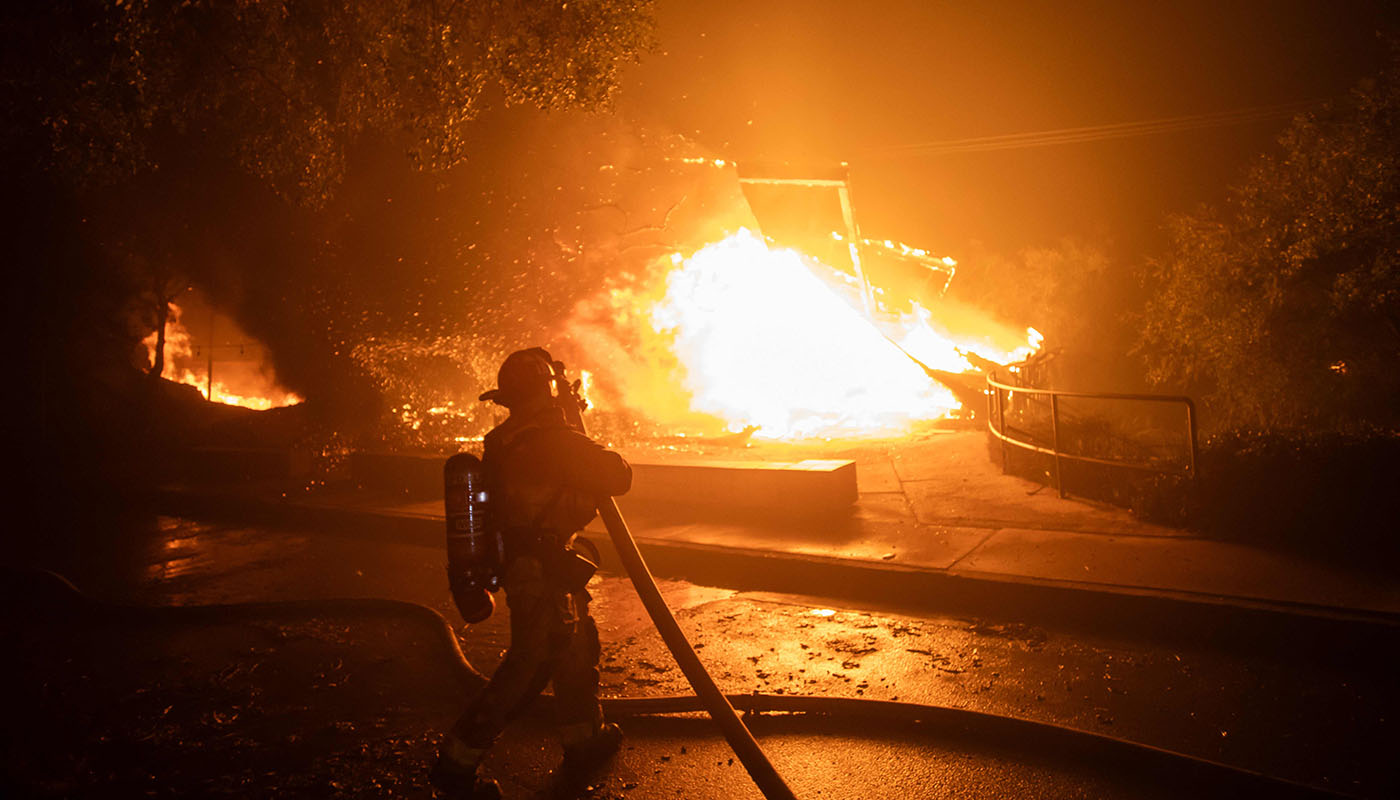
[544, 478]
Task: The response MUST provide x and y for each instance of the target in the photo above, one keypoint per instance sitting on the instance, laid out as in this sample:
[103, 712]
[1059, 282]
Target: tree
[1283, 306]
[172, 97]
[127, 118]
[285, 87]
[164, 286]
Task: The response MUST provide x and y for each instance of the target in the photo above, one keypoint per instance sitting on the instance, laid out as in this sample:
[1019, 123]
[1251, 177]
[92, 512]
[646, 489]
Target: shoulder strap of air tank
[516, 439]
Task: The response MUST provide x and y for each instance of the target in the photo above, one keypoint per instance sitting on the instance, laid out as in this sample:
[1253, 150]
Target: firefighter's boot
[454, 783]
[590, 753]
[454, 775]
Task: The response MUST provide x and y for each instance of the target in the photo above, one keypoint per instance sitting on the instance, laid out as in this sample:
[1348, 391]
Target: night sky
[823, 80]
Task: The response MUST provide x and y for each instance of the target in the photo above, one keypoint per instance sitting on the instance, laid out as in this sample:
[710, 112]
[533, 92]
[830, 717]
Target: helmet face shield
[524, 375]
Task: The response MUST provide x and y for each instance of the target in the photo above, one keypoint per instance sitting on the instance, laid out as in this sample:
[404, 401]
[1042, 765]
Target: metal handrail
[996, 425]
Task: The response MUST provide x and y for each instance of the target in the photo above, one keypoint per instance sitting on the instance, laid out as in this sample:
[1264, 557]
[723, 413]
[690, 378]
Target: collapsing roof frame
[838, 178]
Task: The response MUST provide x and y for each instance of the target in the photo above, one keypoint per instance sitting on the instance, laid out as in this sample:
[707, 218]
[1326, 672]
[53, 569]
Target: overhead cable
[1092, 133]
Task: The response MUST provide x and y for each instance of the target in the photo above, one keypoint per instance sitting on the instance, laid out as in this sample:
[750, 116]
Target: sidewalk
[938, 518]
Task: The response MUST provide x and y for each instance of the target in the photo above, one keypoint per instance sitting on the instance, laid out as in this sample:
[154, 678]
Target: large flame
[765, 343]
[248, 382]
[735, 336]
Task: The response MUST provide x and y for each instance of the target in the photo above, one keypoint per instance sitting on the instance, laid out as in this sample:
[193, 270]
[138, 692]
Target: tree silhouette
[1283, 307]
[285, 88]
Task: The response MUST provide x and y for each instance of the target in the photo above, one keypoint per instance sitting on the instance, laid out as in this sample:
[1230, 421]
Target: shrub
[1331, 492]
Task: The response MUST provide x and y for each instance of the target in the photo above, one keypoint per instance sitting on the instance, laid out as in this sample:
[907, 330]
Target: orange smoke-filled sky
[832, 80]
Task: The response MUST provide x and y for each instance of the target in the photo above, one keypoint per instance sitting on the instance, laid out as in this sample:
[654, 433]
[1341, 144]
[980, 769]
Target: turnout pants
[552, 637]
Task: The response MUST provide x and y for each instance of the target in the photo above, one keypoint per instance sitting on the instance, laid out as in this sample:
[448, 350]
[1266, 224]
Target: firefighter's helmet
[523, 375]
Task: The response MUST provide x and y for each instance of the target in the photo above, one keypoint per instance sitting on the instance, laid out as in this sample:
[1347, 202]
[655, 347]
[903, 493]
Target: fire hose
[43, 594]
[714, 702]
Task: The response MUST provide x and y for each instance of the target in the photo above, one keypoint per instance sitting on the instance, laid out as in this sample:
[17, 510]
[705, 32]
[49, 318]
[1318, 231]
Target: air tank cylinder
[474, 548]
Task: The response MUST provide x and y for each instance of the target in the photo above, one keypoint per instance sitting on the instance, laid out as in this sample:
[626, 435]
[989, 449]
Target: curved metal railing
[998, 393]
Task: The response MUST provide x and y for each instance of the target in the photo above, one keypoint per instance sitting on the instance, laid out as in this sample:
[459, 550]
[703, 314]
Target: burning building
[657, 272]
[767, 338]
[747, 334]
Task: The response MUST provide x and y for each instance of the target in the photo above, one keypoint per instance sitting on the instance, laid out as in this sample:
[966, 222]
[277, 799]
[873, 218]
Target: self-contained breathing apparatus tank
[475, 550]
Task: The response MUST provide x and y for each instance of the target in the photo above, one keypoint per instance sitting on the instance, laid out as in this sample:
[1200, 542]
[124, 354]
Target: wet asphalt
[1324, 721]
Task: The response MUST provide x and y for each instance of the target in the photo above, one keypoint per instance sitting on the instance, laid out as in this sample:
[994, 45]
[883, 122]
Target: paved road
[1326, 724]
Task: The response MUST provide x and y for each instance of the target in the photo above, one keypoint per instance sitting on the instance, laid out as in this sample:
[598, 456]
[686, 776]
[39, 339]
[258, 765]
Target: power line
[1093, 133]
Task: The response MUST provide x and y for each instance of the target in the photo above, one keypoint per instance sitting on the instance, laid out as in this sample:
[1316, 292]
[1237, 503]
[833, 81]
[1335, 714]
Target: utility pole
[209, 388]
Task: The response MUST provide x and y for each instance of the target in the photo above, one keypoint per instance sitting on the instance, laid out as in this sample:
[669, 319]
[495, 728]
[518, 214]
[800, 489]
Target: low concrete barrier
[680, 489]
[221, 465]
[689, 488]
[416, 476]
[815, 487]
